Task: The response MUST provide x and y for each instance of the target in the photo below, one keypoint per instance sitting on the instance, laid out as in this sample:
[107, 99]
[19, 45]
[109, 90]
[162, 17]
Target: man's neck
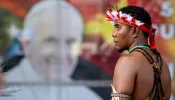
[138, 42]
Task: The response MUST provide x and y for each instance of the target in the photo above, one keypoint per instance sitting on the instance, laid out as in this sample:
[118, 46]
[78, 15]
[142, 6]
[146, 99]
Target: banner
[55, 55]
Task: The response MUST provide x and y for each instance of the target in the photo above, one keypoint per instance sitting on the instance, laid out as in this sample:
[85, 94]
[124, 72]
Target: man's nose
[114, 34]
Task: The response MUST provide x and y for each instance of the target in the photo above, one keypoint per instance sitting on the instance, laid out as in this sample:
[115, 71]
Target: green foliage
[6, 19]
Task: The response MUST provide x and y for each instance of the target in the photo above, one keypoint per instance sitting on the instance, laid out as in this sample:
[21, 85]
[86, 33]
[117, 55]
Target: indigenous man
[142, 73]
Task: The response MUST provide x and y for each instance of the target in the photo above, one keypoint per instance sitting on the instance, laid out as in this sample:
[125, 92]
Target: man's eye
[70, 41]
[117, 26]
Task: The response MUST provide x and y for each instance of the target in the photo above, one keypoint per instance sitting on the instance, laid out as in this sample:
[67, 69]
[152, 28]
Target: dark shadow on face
[121, 50]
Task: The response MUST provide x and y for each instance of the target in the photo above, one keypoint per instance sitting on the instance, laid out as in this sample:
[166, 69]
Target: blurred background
[63, 49]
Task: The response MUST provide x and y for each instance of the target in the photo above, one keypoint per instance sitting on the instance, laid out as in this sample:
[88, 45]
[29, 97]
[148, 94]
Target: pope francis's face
[53, 50]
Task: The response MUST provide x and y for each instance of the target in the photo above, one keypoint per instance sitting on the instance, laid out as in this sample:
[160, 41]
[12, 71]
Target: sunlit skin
[121, 34]
[133, 73]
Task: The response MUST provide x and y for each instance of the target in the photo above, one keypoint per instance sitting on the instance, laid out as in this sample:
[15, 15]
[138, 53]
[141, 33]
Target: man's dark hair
[138, 13]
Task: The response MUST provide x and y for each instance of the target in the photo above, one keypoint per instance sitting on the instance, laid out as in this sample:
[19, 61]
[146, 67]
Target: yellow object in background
[100, 26]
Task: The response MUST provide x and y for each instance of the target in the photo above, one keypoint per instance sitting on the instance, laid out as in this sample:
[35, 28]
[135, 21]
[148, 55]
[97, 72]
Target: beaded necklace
[139, 46]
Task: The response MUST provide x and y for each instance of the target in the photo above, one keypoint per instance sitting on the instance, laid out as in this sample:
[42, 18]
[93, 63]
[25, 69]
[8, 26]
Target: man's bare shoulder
[130, 61]
[125, 73]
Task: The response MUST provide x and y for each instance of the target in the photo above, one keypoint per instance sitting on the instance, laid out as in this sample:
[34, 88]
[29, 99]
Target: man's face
[122, 35]
[51, 52]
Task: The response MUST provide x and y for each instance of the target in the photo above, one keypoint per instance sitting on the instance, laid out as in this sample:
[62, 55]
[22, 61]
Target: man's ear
[135, 31]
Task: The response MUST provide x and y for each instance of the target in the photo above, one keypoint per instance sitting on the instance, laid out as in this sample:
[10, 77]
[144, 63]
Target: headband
[114, 15]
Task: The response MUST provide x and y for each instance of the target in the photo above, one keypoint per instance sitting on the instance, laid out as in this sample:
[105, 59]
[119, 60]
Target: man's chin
[120, 50]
